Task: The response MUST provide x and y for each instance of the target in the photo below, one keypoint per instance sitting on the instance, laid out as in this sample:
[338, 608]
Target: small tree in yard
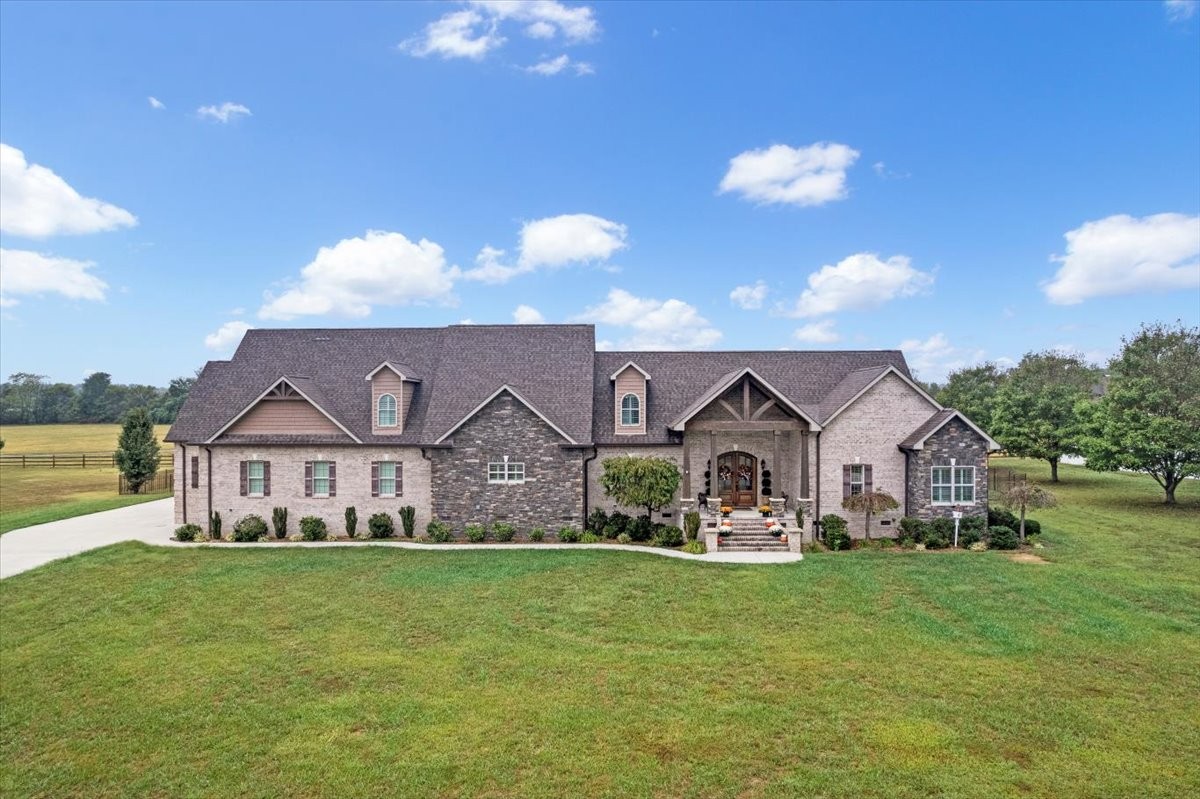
[137, 449]
[1149, 417]
[648, 483]
[870, 503]
[1024, 495]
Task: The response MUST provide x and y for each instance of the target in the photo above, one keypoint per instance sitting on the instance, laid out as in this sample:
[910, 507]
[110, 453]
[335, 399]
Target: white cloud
[881, 170]
[821, 332]
[381, 268]
[474, 31]
[653, 324]
[156, 103]
[29, 273]
[223, 113]
[36, 203]
[553, 66]
[749, 298]
[552, 242]
[860, 282]
[526, 315]
[812, 175]
[1126, 255]
[1180, 10]
[227, 336]
[935, 357]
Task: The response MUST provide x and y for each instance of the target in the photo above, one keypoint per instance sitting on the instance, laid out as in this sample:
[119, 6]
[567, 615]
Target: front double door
[737, 479]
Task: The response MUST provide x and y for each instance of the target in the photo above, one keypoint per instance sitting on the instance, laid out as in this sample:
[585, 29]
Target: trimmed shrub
[312, 528]
[537, 535]
[279, 522]
[188, 532]
[597, 520]
[617, 523]
[691, 524]
[999, 517]
[250, 528]
[666, 535]
[913, 529]
[475, 533]
[624, 538]
[695, 547]
[408, 520]
[590, 538]
[1001, 537]
[214, 525]
[503, 531]
[1032, 527]
[939, 534]
[351, 521]
[641, 529]
[970, 530]
[836, 535]
[380, 525]
[568, 535]
[439, 532]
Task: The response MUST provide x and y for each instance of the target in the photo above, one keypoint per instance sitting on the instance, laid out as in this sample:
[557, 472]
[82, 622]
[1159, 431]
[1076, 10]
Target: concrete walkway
[152, 523]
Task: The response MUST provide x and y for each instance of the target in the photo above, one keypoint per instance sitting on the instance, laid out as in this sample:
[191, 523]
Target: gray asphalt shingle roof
[554, 367]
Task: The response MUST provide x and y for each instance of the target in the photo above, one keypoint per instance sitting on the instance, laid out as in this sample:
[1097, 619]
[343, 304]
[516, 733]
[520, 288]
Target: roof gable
[727, 382]
[488, 401]
[916, 440]
[859, 382]
[617, 373]
[286, 386]
[402, 371]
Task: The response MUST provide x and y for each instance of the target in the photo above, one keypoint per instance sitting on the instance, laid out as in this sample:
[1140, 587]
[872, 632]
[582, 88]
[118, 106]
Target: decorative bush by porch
[695, 547]
[438, 532]
[597, 520]
[939, 534]
[279, 522]
[617, 524]
[188, 532]
[380, 525]
[408, 520]
[640, 529]
[666, 535]
[250, 528]
[691, 524]
[836, 535]
[312, 528]
[588, 537]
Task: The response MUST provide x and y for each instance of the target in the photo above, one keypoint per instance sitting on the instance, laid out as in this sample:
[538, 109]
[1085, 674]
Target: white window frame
[506, 472]
[251, 478]
[861, 481]
[636, 410]
[316, 479]
[961, 479]
[382, 466]
[379, 411]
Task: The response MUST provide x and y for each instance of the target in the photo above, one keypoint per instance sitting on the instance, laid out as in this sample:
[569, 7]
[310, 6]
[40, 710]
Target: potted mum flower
[726, 510]
[765, 510]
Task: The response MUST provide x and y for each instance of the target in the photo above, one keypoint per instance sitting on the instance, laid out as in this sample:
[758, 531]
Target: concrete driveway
[29, 547]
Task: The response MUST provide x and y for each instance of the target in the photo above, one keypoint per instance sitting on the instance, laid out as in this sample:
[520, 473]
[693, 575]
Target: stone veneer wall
[955, 440]
[287, 484]
[598, 499]
[550, 497]
[870, 430]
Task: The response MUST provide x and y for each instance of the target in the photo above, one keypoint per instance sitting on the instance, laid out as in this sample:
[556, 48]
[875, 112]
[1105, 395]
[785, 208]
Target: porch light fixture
[953, 461]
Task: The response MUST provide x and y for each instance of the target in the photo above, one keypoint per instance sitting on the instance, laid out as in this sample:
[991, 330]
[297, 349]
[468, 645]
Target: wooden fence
[61, 460]
[161, 481]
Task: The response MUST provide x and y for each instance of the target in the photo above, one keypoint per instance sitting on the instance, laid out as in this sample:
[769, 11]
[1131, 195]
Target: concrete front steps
[750, 535]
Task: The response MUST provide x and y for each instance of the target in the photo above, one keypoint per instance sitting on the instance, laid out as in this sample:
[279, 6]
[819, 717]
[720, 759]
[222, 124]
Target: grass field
[135, 671]
[34, 496]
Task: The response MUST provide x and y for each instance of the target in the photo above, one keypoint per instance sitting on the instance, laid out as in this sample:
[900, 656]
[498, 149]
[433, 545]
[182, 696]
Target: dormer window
[631, 411]
[387, 411]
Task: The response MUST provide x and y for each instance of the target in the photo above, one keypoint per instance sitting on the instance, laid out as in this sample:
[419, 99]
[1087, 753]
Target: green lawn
[34, 496]
[134, 671]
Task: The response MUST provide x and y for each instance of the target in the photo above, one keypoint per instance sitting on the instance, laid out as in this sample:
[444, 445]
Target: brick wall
[598, 499]
[550, 497]
[958, 441]
[870, 430]
[287, 484]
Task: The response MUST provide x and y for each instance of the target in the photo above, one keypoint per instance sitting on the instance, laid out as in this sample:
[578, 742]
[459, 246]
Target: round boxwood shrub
[1032, 527]
[188, 532]
[589, 537]
[617, 523]
[475, 533]
[439, 532]
[1001, 537]
[836, 535]
[380, 525]
[312, 528]
[640, 529]
[250, 528]
[624, 538]
[666, 535]
[597, 520]
[940, 533]
[537, 534]
[568, 535]
[999, 517]
[502, 531]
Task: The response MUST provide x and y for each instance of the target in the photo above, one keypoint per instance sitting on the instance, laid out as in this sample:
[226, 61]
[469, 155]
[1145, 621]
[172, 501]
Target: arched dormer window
[387, 411]
[631, 411]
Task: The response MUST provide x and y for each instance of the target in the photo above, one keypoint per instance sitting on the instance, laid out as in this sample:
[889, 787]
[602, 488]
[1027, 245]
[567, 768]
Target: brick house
[480, 423]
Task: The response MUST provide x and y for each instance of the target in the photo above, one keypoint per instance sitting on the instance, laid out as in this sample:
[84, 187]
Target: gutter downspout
[907, 458]
[586, 461]
[183, 468]
[425, 457]
[209, 524]
[817, 504]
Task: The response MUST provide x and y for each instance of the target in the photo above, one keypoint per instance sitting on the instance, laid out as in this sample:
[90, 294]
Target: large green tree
[648, 483]
[94, 399]
[167, 408]
[1149, 418]
[972, 390]
[137, 449]
[1034, 411]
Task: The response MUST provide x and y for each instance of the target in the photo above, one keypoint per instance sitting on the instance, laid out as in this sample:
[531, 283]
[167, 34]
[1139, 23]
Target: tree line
[1141, 411]
[27, 398]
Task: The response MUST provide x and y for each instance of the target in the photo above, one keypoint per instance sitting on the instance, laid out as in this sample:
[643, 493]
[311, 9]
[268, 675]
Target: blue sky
[967, 181]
